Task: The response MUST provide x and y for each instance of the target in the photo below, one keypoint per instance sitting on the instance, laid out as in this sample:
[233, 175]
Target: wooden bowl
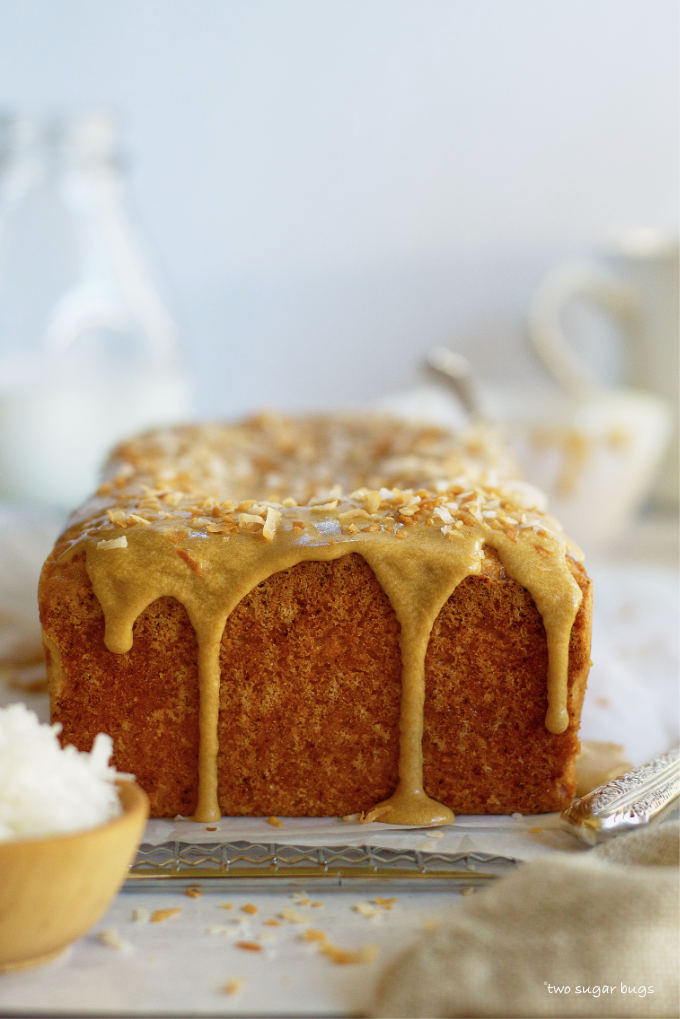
[54, 888]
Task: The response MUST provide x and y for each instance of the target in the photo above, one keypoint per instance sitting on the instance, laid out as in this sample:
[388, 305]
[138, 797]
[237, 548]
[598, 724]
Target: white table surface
[180, 967]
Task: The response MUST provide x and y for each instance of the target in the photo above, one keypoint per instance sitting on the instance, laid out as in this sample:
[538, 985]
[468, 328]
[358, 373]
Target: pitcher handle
[547, 333]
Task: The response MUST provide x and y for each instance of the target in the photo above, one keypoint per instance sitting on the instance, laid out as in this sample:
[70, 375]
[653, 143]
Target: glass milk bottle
[88, 352]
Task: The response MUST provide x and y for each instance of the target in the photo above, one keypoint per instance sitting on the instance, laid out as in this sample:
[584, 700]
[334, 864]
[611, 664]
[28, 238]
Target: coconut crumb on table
[234, 986]
[112, 939]
[161, 915]
[222, 928]
[365, 909]
[293, 915]
[340, 956]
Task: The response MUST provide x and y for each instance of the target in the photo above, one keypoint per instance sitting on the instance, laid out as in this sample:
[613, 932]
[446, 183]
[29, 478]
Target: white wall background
[333, 186]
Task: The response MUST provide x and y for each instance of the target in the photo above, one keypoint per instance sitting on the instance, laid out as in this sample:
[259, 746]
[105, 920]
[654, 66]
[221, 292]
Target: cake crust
[289, 747]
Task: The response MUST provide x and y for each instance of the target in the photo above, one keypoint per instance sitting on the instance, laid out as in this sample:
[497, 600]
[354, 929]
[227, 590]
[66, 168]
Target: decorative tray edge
[203, 863]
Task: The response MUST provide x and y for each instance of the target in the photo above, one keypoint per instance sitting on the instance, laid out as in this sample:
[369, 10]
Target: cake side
[146, 700]
[309, 694]
[486, 747]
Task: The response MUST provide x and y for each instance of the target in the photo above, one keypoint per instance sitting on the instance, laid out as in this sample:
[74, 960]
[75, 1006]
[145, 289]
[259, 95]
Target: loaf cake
[321, 616]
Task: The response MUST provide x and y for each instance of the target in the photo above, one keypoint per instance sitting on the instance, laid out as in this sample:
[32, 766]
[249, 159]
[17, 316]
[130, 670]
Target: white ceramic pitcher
[636, 284]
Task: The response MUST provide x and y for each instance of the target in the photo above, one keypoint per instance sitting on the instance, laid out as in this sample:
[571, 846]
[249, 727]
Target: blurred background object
[636, 285]
[595, 455]
[88, 352]
[335, 189]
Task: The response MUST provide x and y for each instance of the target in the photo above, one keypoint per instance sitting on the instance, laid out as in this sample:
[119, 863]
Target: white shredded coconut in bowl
[46, 789]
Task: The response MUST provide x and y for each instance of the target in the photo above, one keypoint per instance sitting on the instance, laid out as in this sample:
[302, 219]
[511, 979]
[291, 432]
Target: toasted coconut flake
[324, 507]
[234, 986]
[112, 939]
[120, 542]
[192, 563]
[271, 523]
[341, 956]
[442, 513]
[293, 915]
[246, 520]
[161, 915]
[365, 909]
[373, 500]
[222, 928]
[137, 519]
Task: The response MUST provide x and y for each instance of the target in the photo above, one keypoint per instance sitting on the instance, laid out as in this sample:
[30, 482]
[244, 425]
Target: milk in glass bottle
[88, 351]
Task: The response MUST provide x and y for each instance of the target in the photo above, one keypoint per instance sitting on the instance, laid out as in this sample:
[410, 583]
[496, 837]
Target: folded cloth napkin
[589, 935]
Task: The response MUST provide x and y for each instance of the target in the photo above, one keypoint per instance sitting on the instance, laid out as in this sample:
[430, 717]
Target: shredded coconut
[47, 790]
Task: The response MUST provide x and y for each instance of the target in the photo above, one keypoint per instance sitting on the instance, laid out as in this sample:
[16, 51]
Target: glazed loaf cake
[321, 616]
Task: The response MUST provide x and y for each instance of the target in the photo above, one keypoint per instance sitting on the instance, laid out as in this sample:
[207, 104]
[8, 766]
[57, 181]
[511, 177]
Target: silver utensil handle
[641, 795]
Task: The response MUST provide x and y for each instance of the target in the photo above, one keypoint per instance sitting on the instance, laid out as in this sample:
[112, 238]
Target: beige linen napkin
[590, 935]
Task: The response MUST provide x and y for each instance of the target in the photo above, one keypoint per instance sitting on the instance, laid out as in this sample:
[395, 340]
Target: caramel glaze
[417, 567]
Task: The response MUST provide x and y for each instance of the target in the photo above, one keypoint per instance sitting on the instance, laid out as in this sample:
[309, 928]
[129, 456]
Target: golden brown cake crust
[310, 694]
[147, 699]
[309, 699]
[486, 748]
[319, 652]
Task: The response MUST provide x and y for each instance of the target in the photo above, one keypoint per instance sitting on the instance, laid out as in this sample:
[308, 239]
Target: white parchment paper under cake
[516, 837]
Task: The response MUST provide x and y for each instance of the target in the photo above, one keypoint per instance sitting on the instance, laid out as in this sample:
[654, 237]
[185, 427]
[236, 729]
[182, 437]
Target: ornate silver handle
[629, 801]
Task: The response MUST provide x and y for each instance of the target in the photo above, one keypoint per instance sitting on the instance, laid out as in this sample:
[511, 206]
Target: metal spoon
[445, 364]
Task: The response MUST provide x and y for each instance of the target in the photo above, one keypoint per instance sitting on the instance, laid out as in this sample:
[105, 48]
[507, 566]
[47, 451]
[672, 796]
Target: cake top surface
[270, 474]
